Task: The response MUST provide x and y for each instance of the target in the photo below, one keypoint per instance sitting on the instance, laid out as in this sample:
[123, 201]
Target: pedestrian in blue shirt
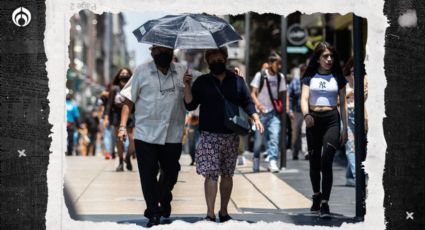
[72, 116]
[295, 114]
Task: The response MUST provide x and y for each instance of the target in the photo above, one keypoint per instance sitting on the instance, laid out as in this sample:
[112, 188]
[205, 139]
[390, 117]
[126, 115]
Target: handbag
[235, 118]
[278, 106]
[277, 103]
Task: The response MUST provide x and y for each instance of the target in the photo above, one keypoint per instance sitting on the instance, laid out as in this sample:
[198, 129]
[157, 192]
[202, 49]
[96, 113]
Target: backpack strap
[279, 79]
[262, 77]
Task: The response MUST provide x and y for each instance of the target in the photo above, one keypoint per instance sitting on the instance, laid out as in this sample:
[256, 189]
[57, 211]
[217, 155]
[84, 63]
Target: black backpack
[263, 75]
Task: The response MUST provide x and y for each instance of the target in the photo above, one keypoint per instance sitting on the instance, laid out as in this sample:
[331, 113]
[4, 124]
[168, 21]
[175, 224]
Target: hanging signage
[297, 35]
[297, 50]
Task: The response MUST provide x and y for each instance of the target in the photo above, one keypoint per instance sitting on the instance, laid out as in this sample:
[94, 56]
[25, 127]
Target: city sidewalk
[98, 193]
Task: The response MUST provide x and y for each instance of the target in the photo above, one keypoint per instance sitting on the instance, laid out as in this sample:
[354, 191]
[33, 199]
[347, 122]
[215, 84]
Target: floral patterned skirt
[216, 154]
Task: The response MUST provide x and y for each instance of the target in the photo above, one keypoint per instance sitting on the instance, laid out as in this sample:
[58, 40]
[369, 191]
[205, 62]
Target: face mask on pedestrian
[163, 59]
[217, 67]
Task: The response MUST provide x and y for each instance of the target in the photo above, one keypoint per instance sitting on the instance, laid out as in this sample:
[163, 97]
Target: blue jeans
[107, 139]
[349, 147]
[272, 127]
[126, 144]
[193, 140]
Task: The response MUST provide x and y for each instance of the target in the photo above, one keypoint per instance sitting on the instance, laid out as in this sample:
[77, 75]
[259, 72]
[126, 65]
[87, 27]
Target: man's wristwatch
[122, 128]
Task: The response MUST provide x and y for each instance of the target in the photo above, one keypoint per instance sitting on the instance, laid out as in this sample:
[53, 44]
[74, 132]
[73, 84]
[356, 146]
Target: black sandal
[208, 218]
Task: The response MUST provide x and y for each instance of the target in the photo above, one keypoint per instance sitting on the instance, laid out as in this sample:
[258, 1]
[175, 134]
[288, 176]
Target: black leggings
[322, 142]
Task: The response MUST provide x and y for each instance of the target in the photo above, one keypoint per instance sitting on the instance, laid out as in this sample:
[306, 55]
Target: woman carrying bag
[218, 93]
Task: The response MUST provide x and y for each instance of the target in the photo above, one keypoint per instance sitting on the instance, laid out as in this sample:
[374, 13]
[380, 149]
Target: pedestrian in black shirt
[92, 122]
[113, 115]
[217, 150]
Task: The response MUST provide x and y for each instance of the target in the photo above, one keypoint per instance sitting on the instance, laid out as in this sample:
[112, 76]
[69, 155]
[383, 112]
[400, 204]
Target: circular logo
[21, 17]
[296, 34]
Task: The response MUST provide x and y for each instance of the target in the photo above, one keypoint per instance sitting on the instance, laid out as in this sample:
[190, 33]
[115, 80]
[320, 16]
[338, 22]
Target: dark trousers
[288, 132]
[91, 148]
[322, 142]
[70, 144]
[151, 158]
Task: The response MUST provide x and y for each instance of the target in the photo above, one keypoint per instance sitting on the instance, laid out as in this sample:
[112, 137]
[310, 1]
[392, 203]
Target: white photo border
[56, 43]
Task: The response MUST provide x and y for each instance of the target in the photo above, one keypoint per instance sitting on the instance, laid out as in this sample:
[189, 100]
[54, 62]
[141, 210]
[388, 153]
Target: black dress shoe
[224, 218]
[155, 220]
[166, 210]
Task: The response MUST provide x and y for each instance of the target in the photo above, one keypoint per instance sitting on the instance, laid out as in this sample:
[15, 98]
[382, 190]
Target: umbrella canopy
[187, 31]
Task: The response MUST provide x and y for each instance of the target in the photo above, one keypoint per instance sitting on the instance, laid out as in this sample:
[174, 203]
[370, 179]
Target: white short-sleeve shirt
[158, 101]
[263, 96]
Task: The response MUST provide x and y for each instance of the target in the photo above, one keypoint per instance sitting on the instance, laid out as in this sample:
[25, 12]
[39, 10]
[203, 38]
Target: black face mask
[163, 60]
[217, 68]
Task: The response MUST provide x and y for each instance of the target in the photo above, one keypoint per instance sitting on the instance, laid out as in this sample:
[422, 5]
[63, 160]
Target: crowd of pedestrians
[150, 114]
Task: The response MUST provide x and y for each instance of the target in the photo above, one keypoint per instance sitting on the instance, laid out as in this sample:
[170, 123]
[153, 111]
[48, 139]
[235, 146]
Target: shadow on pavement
[294, 216]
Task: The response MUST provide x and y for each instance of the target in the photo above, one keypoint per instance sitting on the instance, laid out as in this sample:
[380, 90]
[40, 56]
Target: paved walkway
[98, 193]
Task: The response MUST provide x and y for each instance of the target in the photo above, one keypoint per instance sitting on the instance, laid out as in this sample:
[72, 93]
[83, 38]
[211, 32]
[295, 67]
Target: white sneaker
[241, 160]
[256, 164]
[273, 166]
[267, 158]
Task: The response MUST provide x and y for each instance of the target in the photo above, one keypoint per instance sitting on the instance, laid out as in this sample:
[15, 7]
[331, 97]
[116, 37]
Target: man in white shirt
[156, 91]
[262, 96]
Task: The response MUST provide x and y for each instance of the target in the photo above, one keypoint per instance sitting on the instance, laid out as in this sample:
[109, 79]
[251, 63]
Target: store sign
[297, 50]
[297, 35]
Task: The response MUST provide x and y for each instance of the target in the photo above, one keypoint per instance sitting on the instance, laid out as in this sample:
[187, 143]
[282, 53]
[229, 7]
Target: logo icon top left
[21, 16]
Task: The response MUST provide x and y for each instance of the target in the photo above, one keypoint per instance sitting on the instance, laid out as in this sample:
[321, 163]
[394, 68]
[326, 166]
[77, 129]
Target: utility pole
[107, 46]
[247, 45]
[284, 71]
